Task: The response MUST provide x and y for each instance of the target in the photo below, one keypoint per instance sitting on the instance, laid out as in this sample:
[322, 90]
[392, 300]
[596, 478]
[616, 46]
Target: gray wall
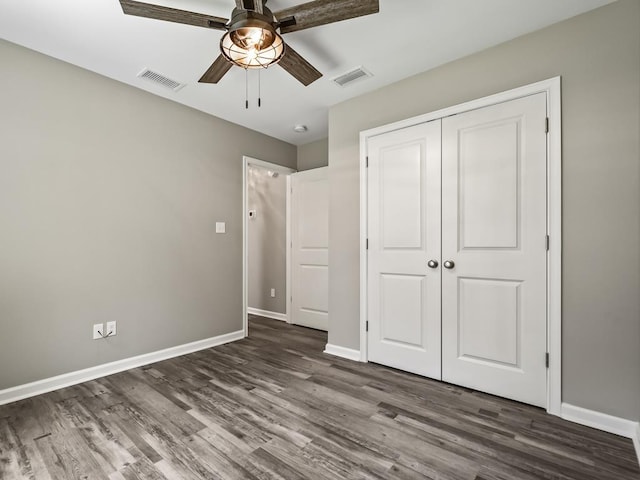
[108, 203]
[313, 155]
[598, 56]
[267, 240]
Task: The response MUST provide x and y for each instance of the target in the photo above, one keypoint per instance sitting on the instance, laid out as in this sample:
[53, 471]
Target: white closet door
[494, 231]
[404, 234]
[310, 248]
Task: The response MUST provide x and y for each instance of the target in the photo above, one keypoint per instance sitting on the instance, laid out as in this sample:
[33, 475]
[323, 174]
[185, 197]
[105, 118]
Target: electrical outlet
[111, 329]
[273, 292]
[97, 329]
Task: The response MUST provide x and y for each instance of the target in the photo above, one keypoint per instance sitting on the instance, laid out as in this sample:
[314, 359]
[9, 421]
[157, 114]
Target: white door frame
[246, 161]
[554, 218]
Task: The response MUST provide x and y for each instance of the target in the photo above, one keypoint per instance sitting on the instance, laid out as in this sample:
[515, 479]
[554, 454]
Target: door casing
[551, 88]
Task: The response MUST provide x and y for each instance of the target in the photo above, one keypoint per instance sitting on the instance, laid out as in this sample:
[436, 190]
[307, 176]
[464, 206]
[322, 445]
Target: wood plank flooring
[274, 406]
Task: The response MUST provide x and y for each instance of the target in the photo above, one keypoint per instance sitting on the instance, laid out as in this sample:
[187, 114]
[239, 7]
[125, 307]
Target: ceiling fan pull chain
[259, 90]
[246, 88]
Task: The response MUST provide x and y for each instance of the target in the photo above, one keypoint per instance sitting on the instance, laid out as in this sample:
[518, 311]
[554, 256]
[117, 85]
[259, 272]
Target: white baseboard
[602, 421]
[343, 352]
[267, 313]
[39, 387]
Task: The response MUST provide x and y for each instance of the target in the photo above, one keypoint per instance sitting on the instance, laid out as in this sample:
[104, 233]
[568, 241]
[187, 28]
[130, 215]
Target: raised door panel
[489, 322]
[400, 170]
[489, 166]
[402, 296]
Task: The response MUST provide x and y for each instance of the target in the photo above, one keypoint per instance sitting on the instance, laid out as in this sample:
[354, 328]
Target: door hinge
[367, 244]
[546, 359]
[366, 163]
[546, 125]
[366, 326]
[547, 242]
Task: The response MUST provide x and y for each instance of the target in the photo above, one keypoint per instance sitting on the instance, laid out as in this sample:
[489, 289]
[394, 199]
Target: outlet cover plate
[111, 329]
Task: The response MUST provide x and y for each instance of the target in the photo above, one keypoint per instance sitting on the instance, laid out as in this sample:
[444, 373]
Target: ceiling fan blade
[216, 71]
[322, 12]
[157, 12]
[298, 67]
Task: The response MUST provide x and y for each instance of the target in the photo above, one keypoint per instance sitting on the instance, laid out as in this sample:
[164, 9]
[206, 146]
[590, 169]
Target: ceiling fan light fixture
[252, 43]
[254, 56]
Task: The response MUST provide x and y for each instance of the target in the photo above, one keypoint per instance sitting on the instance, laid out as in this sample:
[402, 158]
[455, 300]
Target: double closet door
[457, 249]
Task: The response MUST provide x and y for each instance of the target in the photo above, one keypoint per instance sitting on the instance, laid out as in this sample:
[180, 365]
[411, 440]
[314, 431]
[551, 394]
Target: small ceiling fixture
[300, 128]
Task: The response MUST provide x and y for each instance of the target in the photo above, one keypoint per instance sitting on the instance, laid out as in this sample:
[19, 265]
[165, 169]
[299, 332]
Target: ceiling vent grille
[352, 76]
[160, 79]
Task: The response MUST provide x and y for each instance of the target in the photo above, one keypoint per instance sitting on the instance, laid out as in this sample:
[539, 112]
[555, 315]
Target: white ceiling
[405, 38]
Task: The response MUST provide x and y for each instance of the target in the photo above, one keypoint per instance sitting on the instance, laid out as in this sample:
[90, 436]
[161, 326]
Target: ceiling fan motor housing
[244, 21]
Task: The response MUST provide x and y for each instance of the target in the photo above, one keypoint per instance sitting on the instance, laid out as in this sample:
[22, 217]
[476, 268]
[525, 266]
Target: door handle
[449, 264]
[432, 264]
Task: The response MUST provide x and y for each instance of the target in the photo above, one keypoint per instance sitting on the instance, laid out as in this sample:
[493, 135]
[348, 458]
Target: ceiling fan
[252, 39]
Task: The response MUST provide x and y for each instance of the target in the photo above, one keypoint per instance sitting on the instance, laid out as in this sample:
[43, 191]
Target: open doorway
[266, 240]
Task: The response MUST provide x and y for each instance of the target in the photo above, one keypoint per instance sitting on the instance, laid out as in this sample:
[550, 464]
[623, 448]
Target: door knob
[432, 264]
[449, 264]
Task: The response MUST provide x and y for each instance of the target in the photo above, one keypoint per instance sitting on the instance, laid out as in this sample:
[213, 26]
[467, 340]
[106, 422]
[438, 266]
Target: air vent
[160, 79]
[352, 76]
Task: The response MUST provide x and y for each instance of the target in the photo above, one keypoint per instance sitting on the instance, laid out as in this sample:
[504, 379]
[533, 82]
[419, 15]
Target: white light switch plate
[221, 227]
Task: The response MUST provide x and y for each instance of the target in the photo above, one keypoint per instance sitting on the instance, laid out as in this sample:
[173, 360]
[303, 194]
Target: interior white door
[310, 248]
[403, 181]
[494, 233]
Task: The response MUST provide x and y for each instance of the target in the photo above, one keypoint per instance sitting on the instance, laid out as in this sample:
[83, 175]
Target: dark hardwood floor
[274, 406]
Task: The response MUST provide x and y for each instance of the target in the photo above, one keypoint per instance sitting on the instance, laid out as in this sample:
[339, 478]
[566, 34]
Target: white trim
[364, 265]
[246, 161]
[39, 387]
[554, 256]
[289, 306]
[552, 89]
[601, 421]
[266, 313]
[348, 353]
[605, 422]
